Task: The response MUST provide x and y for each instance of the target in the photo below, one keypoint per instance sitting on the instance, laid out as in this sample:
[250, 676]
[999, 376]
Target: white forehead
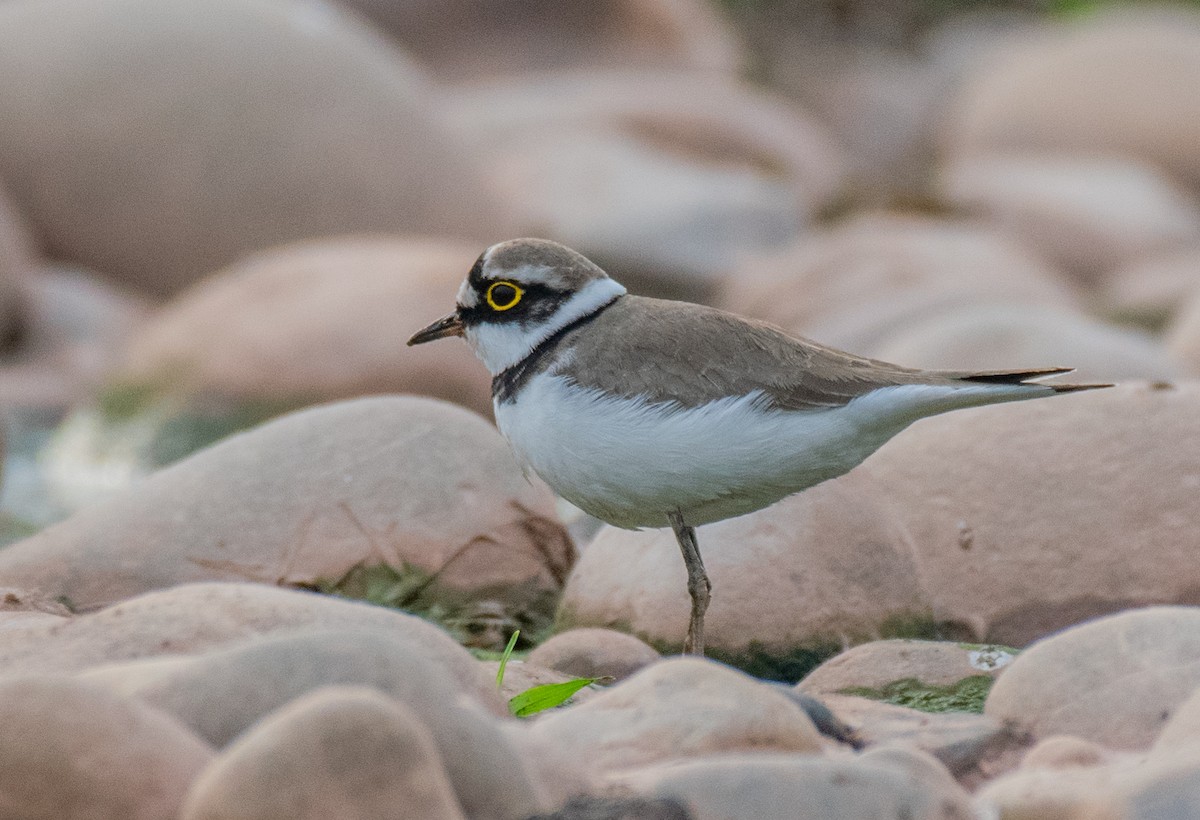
[466, 295]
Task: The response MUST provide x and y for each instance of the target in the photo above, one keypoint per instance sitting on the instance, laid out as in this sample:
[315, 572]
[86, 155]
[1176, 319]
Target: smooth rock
[222, 692]
[110, 144]
[790, 583]
[664, 179]
[20, 608]
[853, 284]
[588, 807]
[881, 103]
[24, 601]
[1121, 86]
[72, 751]
[678, 708]
[999, 337]
[1183, 729]
[468, 39]
[973, 748]
[314, 321]
[1115, 681]
[1152, 291]
[1164, 787]
[1182, 336]
[418, 486]
[560, 776]
[921, 767]
[1049, 794]
[196, 618]
[1087, 214]
[778, 787]
[338, 752]
[594, 653]
[73, 327]
[1065, 752]
[876, 664]
[1024, 516]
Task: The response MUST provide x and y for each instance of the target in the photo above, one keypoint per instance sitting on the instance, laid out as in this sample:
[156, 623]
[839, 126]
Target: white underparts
[628, 462]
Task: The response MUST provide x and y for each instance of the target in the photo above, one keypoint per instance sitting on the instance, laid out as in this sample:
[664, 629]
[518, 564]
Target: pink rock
[819, 569]
[1115, 681]
[876, 664]
[593, 653]
[1183, 333]
[196, 618]
[972, 748]
[1065, 752]
[881, 103]
[779, 787]
[1087, 214]
[1153, 291]
[74, 325]
[414, 484]
[666, 179]
[338, 752]
[219, 693]
[1121, 86]
[679, 708]
[110, 144]
[465, 39]
[315, 321]
[853, 285]
[224, 693]
[1055, 794]
[1024, 516]
[73, 751]
[996, 337]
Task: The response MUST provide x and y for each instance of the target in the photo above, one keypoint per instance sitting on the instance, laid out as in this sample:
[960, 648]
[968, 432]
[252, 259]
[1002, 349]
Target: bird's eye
[503, 295]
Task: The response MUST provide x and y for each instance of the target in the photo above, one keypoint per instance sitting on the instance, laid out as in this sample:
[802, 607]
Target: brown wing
[676, 351]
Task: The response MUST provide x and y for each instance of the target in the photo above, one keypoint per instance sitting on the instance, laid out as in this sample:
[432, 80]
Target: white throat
[501, 345]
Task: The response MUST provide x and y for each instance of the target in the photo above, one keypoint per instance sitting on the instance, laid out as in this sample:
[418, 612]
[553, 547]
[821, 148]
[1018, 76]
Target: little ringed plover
[645, 412]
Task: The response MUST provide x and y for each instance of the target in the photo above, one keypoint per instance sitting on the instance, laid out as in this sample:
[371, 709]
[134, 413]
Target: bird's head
[518, 294]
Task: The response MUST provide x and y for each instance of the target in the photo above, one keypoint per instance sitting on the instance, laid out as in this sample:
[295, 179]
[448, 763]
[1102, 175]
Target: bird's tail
[1029, 377]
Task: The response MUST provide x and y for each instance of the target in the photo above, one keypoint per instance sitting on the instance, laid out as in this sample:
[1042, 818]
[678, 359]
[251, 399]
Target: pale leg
[698, 584]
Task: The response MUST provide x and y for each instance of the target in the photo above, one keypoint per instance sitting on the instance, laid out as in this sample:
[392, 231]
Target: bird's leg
[698, 583]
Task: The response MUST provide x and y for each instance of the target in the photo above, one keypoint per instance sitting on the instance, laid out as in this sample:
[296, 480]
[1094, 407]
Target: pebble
[424, 494]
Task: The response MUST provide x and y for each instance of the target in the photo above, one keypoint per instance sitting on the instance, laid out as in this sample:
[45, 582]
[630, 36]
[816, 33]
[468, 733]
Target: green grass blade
[508, 650]
[546, 696]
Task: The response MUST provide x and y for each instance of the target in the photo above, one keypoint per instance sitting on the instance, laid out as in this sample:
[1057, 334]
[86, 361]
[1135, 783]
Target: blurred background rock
[211, 214]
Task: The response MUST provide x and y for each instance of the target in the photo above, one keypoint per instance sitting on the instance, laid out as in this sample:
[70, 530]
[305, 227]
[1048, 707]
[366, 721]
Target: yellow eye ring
[507, 297]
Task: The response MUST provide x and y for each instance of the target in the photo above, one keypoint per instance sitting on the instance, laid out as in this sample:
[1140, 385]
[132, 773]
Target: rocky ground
[262, 561]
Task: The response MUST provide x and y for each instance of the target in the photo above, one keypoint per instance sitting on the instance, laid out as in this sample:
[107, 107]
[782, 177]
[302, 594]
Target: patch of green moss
[477, 621]
[912, 626]
[967, 695]
[122, 402]
[174, 424]
[14, 529]
[184, 432]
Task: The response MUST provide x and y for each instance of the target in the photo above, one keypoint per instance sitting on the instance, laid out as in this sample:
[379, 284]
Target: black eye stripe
[536, 304]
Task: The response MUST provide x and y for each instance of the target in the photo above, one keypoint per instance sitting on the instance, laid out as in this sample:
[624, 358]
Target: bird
[648, 413]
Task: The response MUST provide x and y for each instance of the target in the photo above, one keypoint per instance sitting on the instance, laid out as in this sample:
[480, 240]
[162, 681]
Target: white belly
[628, 462]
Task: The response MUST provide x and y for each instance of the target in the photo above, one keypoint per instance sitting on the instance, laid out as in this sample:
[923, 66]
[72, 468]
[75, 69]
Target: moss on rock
[966, 695]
